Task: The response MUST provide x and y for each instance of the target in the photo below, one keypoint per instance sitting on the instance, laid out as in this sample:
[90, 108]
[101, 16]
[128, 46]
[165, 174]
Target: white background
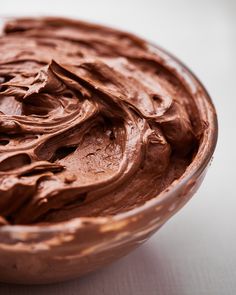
[195, 252]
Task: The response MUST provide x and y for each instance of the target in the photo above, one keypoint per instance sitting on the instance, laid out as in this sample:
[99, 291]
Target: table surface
[195, 252]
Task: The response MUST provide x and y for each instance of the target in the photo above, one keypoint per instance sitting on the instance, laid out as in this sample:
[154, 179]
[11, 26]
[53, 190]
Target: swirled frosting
[92, 123]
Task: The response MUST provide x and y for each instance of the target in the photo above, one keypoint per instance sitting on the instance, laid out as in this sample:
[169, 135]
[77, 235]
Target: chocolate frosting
[92, 122]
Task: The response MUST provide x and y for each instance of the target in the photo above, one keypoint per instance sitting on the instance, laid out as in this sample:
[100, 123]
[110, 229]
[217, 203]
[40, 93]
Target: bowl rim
[197, 166]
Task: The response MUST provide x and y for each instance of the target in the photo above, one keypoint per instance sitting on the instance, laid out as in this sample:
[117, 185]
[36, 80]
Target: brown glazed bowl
[59, 252]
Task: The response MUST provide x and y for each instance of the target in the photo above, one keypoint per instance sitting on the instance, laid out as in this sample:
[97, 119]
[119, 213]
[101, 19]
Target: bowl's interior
[130, 204]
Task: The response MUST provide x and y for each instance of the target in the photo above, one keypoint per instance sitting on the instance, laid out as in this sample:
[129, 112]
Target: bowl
[58, 252]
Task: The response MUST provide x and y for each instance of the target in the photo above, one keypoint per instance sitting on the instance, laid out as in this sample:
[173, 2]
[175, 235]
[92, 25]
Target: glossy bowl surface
[46, 254]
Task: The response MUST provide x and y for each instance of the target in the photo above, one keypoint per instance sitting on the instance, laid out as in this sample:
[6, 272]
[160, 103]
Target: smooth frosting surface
[92, 123]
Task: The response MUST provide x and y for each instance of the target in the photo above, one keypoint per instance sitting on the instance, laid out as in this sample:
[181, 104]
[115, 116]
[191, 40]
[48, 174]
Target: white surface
[195, 252]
